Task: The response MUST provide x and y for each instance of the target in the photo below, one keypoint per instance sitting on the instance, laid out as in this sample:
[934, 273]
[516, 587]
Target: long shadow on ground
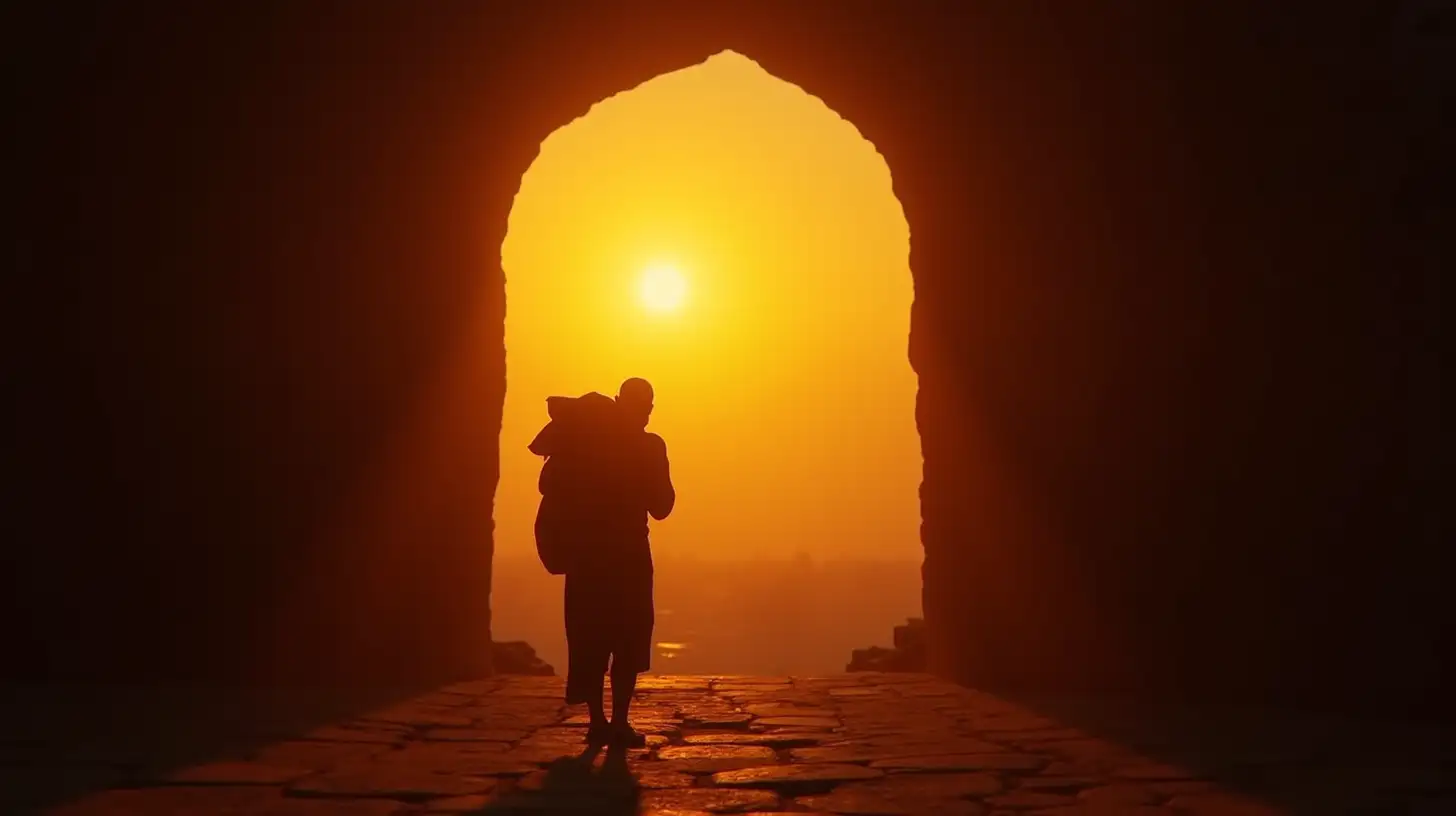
[575, 784]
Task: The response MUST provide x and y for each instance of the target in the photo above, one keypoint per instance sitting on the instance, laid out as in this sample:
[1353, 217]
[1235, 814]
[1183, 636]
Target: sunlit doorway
[730, 238]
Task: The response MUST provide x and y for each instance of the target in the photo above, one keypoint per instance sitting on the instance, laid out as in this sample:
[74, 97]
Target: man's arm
[660, 495]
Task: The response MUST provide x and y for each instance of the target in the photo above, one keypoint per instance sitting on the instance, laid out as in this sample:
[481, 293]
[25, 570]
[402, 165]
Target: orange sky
[783, 387]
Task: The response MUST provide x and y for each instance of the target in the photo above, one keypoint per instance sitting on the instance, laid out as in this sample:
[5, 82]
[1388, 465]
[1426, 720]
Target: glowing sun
[663, 288]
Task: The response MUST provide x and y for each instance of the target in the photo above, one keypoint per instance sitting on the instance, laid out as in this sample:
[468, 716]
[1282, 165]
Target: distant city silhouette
[604, 475]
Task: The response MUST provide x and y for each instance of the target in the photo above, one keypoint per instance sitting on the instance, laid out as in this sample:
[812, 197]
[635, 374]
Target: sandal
[600, 734]
[624, 736]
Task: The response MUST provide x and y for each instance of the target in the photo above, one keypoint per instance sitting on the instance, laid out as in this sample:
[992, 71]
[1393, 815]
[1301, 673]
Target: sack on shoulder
[553, 536]
[569, 476]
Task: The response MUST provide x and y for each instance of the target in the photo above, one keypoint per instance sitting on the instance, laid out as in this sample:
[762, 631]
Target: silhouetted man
[619, 472]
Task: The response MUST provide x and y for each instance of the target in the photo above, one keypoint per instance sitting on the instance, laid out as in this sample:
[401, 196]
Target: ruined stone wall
[1176, 400]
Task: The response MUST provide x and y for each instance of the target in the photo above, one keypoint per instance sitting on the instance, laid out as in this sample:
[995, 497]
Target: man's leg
[586, 682]
[596, 703]
[586, 657]
[624, 687]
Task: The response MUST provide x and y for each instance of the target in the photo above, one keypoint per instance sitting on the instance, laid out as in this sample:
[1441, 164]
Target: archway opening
[727, 236]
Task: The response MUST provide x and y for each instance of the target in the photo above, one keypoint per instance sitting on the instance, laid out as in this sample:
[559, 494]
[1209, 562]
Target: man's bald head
[635, 397]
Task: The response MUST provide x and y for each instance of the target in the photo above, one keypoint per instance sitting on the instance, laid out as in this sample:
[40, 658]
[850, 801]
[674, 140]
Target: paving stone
[780, 696]
[317, 756]
[1083, 809]
[1059, 767]
[777, 739]
[219, 801]
[444, 697]
[855, 801]
[913, 787]
[870, 750]
[709, 800]
[727, 719]
[1029, 800]
[418, 716]
[1119, 795]
[962, 762]
[580, 778]
[766, 813]
[934, 689]
[439, 758]
[534, 693]
[682, 682]
[524, 724]
[841, 753]
[795, 778]
[477, 688]
[713, 758]
[667, 728]
[1060, 784]
[558, 803]
[555, 734]
[1043, 735]
[473, 803]
[869, 691]
[544, 754]
[777, 709]
[913, 794]
[662, 779]
[391, 782]
[503, 735]
[1153, 772]
[846, 802]
[335, 733]
[237, 773]
[798, 722]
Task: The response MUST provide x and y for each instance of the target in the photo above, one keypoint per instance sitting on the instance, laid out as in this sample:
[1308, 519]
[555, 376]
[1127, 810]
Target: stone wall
[1173, 329]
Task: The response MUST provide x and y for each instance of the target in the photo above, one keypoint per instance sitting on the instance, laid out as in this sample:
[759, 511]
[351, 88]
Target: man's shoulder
[654, 443]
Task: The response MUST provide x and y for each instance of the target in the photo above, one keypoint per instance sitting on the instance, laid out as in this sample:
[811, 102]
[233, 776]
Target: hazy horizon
[731, 616]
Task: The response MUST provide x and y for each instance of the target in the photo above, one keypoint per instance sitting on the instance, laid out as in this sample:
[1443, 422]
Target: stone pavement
[855, 745]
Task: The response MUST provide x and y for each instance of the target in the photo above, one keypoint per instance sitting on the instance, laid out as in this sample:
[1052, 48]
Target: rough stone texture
[795, 778]
[317, 755]
[821, 723]
[220, 801]
[390, 782]
[237, 773]
[1278, 767]
[713, 758]
[777, 739]
[710, 801]
[962, 762]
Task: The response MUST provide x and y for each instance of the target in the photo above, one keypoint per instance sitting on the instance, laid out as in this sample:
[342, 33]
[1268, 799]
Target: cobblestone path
[856, 745]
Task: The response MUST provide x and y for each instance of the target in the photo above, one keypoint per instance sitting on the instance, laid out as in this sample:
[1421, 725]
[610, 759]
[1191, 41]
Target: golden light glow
[730, 238]
[663, 288]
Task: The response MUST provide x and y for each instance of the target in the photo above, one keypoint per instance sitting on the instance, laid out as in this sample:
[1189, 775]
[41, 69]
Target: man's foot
[600, 733]
[624, 736]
